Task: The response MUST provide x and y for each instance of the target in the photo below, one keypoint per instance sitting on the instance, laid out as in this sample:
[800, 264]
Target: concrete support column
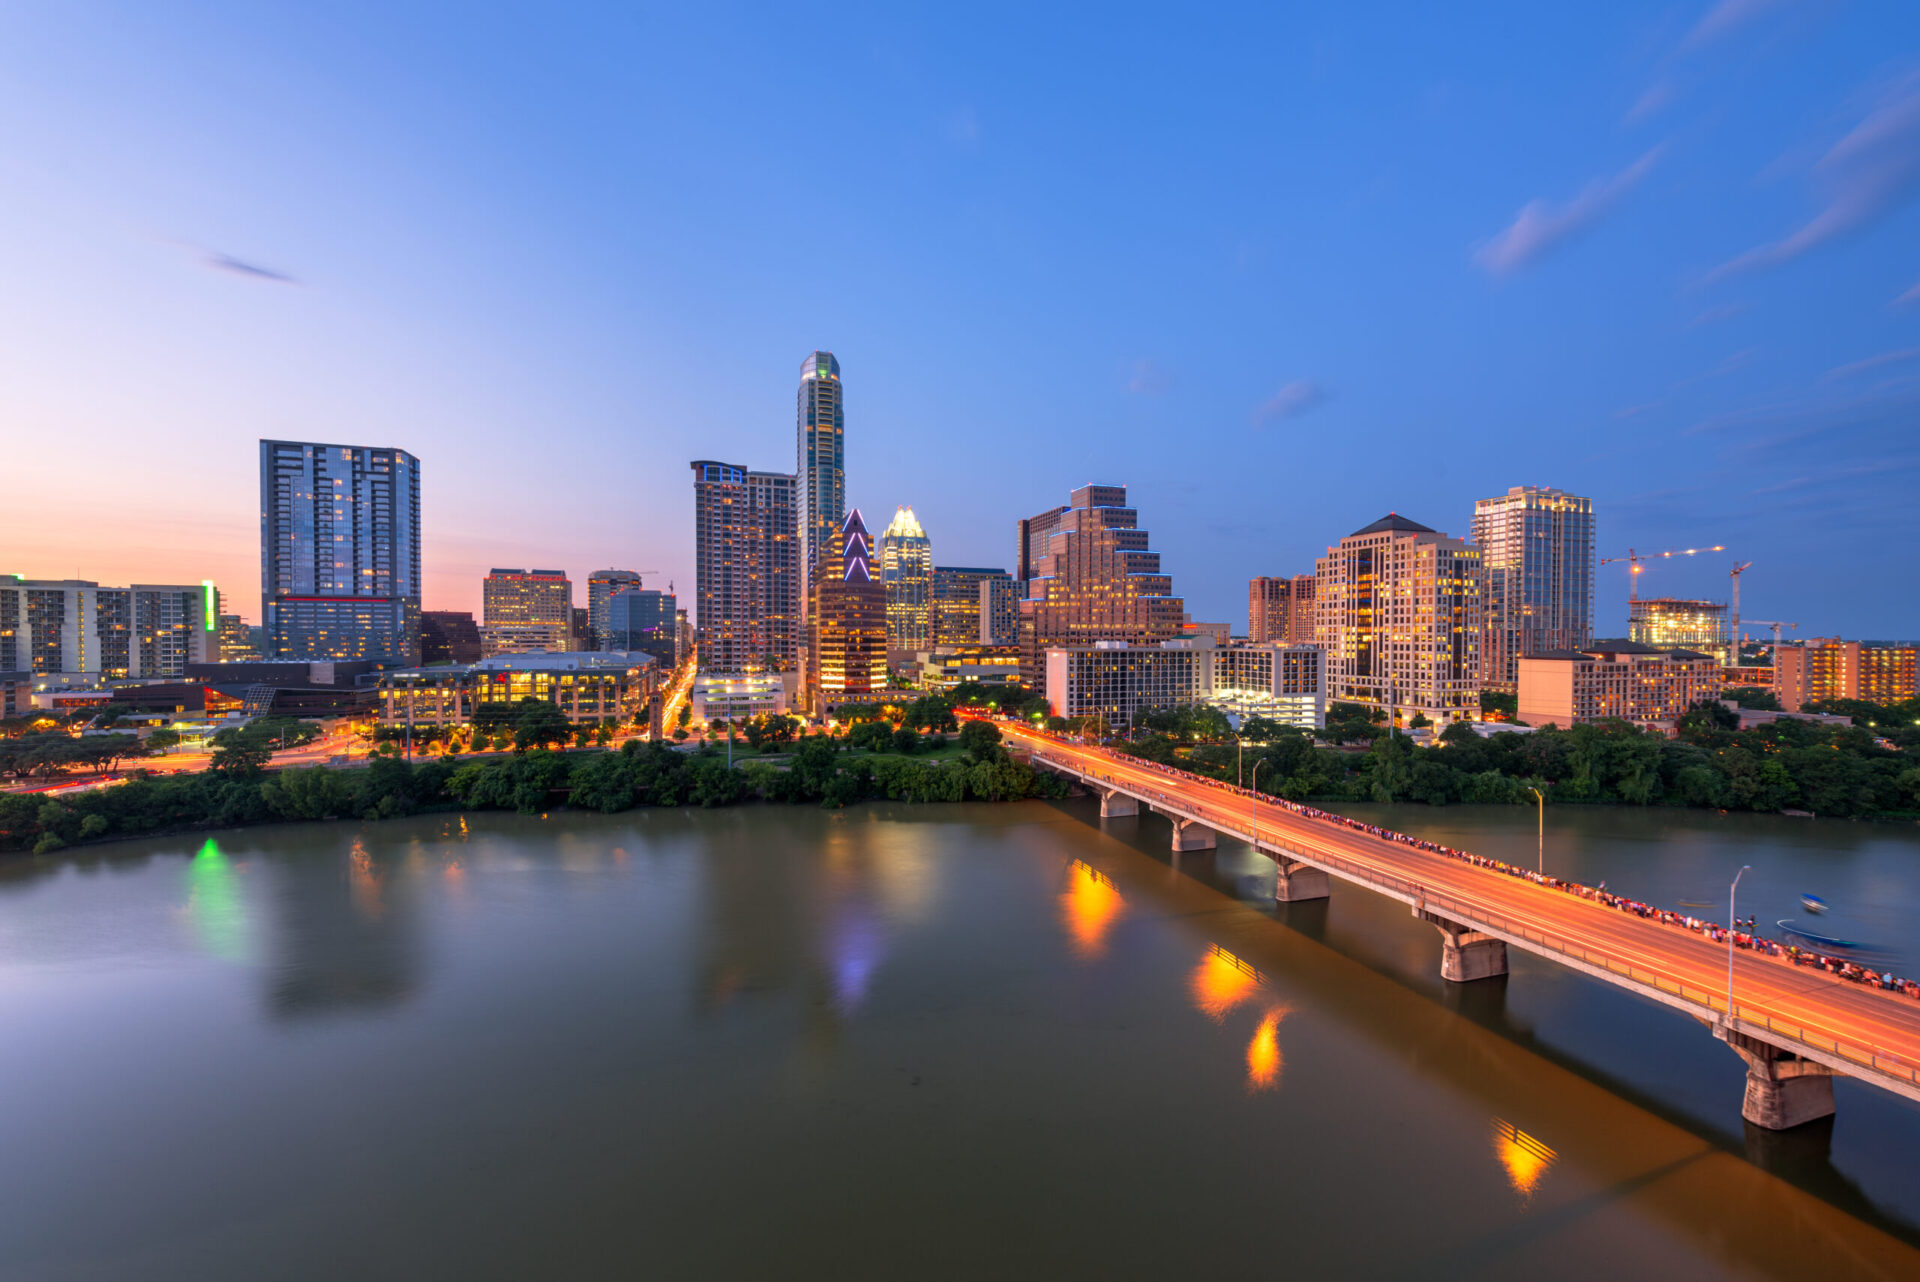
[1117, 805]
[1783, 1090]
[1191, 834]
[1465, 953]
[1296, 881]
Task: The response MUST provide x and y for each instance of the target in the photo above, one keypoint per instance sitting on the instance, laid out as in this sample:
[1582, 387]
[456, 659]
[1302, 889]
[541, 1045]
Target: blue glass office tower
[340, 552]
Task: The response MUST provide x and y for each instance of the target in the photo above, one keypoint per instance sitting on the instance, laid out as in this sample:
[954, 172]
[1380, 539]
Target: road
[1553, 923]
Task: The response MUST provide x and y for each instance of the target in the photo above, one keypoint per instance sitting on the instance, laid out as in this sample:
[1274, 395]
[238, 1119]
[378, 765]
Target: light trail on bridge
[1857, 1030]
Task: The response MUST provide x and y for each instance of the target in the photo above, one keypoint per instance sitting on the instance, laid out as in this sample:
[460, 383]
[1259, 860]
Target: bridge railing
[1711, 1002]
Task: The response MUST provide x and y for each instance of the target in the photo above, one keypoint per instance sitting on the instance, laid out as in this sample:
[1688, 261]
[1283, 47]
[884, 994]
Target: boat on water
[1821, 941]
[1813, 903]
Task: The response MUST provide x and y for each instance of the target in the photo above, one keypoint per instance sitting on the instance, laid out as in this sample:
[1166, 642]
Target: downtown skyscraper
[1536, 556]
[340, 552]
[1091, 575]
[820, 460]
[906, 568]
[746, 568]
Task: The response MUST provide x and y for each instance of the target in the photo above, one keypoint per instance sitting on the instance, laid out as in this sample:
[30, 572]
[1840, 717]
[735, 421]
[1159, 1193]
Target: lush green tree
[980, 740]
[1499, 703]
[240, 752]
[906, 741]
[1757, 697]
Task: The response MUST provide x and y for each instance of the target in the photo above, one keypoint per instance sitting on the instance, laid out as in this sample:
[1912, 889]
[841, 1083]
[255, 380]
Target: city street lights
[1253, 827]
[1730, 889]
[1543, 828]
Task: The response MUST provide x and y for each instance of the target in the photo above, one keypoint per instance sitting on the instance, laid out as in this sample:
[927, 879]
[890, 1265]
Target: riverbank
[816, 771]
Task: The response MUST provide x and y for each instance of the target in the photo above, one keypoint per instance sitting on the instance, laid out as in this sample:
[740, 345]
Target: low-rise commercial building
[1670, 623]
[1615, 680]
[947, 666]
[1118, 681]
[525, 638]
[739, 696]
[589, 687]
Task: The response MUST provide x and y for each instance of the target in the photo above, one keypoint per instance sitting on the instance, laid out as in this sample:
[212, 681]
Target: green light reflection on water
[214, 908]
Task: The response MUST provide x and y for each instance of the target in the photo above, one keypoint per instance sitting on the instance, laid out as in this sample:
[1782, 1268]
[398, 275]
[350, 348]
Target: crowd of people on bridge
[1744, 935]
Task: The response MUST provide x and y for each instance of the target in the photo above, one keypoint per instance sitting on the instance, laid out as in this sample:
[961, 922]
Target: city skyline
[1676, 284]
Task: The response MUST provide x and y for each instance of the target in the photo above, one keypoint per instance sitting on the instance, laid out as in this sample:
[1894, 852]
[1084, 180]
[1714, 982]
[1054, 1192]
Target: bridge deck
[1861, 1031]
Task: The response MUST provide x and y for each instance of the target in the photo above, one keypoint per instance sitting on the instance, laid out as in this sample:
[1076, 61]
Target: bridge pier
[1465, 953]
[1296, 882]
[1783, 1090]
[1191, 834]
[1117, 805]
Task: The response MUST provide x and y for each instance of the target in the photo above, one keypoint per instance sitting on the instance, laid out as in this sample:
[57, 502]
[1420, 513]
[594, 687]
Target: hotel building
[746, 569]
[1397, 611]
[846, 623]
[1092, 576]
[1667, 623]
[1829, 668]
[906, 570]
[527, 596]
[1536, 558]
[340, 552]
[1647, 686]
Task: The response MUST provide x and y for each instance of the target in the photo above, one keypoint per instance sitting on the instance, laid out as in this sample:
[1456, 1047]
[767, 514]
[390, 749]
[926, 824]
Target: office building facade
[1094, 577]
[340, 552]
[449, 636]
[642, 621]
[820, 461]
[1397, 611]
[746, 569]
[906, 570]
[847, 623]
[1118, 682]
[1536, 560]
[590, 688]
[527, 596]
[601, 585]
[964, 605]
[1280, 609]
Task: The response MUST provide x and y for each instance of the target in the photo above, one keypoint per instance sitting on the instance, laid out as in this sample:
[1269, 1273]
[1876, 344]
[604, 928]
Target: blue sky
[1278, 268]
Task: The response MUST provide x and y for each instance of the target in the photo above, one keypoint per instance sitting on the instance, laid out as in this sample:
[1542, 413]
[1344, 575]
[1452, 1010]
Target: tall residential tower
[746, 568]
[820, 460]
[1536, 551]
[340, 552]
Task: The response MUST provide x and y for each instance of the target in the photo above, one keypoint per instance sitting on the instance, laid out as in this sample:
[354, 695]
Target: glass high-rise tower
[906, 568]
[340, 552]
[1536, 551]
[820, 462]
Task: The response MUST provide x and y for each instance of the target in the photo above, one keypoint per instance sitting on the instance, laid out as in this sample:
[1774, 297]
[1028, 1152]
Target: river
[894, 1041]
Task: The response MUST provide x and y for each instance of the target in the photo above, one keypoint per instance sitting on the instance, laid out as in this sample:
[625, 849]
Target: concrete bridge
[1794, 1026]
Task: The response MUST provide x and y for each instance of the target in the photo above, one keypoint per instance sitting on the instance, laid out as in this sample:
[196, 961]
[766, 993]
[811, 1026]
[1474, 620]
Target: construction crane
[1769, 623]
[1733, 613]
[1635, 560]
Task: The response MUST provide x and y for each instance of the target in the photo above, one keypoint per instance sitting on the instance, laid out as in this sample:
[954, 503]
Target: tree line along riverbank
[820, 770]
[1870, 769]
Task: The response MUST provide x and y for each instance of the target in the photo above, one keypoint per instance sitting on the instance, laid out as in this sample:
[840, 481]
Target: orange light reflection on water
[1090, 905]
[1526, 1158]
[1264, 1060]
[1220, 982]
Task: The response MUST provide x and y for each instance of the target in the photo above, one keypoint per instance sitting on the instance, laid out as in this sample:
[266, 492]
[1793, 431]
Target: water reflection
[1264, 1060]
[1525, 1158]
[214, 909]
[1221, 982]
[344, 935]
[1089, 905]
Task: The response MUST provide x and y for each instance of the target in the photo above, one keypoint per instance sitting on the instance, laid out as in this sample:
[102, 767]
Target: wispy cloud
[228, 263]
[1867, 175]
[1872, 362]
[1911, 296]
[1723, 19]
[1291, 401]
[1635, 411]
[1539, 227]
[1146, 377]
[1650, 103]
[1714, 315]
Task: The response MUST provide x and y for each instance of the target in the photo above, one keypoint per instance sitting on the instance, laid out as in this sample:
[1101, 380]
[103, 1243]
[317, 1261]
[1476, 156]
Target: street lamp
[1730, 889]
[1253, 828]
[1543, 828]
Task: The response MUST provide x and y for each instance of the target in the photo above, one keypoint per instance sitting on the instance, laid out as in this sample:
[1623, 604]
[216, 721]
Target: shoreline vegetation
[819, 769]
[1866, 770]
